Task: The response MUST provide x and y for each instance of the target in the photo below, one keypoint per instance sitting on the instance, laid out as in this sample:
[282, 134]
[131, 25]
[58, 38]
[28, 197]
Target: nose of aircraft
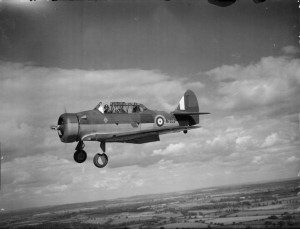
[67, 127]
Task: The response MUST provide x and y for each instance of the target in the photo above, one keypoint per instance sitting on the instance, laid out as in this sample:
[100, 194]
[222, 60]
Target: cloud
[271, 85]
[293, 159]
[28, 91]
[257, 160]
[171, 149]
[271, 140]
[290, 50]
[139, 183]
[243, 140]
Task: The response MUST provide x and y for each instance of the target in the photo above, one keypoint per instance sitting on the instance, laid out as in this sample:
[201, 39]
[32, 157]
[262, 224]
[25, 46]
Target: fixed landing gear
[100, 160]
[80, 155]
[103, 157]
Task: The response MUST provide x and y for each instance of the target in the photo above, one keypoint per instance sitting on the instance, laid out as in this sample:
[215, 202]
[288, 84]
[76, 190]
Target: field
[267, 205]
[231, 220]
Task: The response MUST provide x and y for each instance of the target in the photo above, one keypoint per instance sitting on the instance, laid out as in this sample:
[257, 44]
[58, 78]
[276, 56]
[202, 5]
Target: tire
[80, 156]
[103, 158]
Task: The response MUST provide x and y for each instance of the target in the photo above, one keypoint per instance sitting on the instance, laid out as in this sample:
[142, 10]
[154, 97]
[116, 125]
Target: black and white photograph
[149, 114]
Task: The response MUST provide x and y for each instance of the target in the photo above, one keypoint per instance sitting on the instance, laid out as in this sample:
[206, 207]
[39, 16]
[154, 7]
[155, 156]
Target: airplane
[125, 123]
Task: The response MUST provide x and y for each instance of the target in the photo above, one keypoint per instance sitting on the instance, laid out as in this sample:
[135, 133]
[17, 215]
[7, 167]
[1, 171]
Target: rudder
[189, 103]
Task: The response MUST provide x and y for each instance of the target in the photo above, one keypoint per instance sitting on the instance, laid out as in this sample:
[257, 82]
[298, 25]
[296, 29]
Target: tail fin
[187, 112]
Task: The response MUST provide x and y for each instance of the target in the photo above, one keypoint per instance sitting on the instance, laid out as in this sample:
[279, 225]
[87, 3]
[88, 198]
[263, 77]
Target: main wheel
[80, 156]
[102, 162]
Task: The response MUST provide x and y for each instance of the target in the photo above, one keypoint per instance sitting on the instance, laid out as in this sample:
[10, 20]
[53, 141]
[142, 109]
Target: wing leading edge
[136, 137]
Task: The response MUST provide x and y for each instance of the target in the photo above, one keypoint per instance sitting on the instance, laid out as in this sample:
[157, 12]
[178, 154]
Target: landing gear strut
[100, 160]
[104, 159]
[80, 155]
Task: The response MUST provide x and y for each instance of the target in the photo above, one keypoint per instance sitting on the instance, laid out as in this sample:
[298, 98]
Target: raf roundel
[159, 121]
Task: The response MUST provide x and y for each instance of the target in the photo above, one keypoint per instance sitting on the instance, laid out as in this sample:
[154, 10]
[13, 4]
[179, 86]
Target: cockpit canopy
[121, 107]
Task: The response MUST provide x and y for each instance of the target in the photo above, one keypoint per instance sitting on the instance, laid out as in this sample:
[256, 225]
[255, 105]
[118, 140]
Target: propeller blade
[65, 109]
[53, 127]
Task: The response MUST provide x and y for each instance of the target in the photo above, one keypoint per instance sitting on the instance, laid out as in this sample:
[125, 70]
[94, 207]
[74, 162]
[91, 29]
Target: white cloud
[171, 149]
[246, 142]
[25, 95]
[165, 164]
[57, 188]
[119, 180]
[243, 140]
[112, 184]
[271, 83]
[271, 140]
[293, 159]
[139, 182]
[257, 160]
[290, 50]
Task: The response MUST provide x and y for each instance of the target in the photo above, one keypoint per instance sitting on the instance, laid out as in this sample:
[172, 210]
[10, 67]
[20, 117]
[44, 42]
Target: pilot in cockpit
[135, 109]
[106, 108]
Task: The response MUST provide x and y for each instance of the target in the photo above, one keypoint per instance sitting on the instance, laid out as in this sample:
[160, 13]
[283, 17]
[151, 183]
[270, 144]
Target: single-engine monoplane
[126, 123]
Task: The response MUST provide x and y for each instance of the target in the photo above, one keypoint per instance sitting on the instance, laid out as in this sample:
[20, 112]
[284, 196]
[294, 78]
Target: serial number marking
[170, 120]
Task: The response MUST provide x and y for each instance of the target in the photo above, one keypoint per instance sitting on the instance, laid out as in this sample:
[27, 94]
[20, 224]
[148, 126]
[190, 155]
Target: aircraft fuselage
[82, 125]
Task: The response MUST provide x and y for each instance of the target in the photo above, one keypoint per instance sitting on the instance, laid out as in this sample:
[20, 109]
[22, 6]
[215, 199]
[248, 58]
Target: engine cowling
[68, 127]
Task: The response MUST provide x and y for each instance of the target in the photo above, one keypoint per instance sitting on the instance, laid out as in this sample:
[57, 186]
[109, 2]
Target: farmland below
[264, 205]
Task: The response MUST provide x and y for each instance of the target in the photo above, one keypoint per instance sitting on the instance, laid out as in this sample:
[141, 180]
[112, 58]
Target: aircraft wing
[136, 137]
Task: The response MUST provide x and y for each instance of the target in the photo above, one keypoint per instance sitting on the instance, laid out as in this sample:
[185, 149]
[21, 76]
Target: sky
[242, 62]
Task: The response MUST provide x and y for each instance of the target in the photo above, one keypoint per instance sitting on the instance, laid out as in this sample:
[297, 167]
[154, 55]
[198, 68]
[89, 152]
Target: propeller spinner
[59, 127]
[67, 127]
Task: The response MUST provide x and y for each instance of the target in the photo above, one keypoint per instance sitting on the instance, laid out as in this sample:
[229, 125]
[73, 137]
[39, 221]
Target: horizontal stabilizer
[189, 113]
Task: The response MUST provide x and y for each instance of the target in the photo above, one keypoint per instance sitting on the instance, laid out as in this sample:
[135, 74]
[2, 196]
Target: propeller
[60, 125]
[54, 127]
[58, 128]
